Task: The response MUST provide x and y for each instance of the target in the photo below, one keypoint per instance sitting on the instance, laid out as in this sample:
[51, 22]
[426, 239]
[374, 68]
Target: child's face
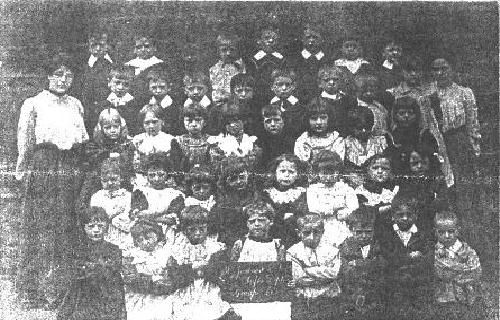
[99, 48]
[196, 90]
[392, 52]
[311, 234]
[363, 235]
[194, 125]
[331, 81]
[258, 226]
[447, 232]
[243, 92]
[147, 241]
[197, 233]
[380, 170]
[412, 77]
[406, 117]
[152, 125]
[404, 217]
[158, 88]
[201, 190]
[238, 181]
[328, 174]
[157, 178]
[351, 50]
[228, 52]
[95, 230]
[274, 124]
[366, 89]
[283, 87]
[418, 164]
[235, 127]
[319, 123]
[110, 181]
[111, 128]
[60, 80]
[312, 40]
[144, 49]
[361, 130]
[286, 173]
[268, 41]
[118, 86]
[441, 71]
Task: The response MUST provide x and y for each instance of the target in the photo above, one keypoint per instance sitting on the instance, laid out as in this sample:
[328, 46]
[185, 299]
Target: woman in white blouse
[50, 133]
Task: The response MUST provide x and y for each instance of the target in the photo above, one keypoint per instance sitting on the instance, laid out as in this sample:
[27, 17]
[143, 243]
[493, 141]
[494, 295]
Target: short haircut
[158, 74]
[327, 158]
[142, 227]
[316, 107]
[446, 214]
[407, 197]
[226, 37]
[121, 72]
[194, 110]
[261, 208]
[196, 78]
[285, 73]
[95, 214]
[242, 80]
[310, 219]
[192, 215]
[271, 110]
[155, 109]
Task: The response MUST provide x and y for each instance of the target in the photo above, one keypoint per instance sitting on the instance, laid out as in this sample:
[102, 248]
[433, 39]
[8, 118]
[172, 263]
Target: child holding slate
[258, 246]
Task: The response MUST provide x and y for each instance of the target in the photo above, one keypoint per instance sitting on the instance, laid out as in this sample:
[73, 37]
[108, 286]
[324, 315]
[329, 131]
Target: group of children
[337, 165]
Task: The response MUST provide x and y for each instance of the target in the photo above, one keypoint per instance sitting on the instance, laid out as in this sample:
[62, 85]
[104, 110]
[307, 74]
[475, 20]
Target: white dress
[308, 146]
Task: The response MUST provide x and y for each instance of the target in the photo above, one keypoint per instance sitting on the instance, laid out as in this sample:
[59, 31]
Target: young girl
[331, 197]
[200, 185]
[116, 201]
[361, 142]
[201, 299]
[148, 283]
[96, 290]
[259, 246]
[318, 137]
[352, 57]
[287, 196]
[164, 202]
[151, 141]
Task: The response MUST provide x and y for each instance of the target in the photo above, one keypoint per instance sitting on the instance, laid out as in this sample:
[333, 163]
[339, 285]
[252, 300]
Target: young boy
[243, 88]
[391, 74]
[144, 50]
[196, 88]
[119, 83]
[352, 57]
[315, 269]
[368, 95]
[284, 83]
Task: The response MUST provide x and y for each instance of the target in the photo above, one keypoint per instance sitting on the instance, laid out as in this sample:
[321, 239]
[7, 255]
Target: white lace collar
[204, 102]
[164, 103]
[287, 196]
[292, 99]
[142, 64]
[93, 59]
[119, 101]
[336, 96]
[206, 204]
[388, 65]
[352, 65]
[261, 54]
[306, 55]
[229, 144]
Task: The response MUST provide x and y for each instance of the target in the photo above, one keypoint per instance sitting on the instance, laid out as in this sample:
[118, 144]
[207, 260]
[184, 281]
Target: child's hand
[415, 254]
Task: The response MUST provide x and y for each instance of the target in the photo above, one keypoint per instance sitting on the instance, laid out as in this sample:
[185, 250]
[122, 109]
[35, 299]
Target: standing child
[318, 137]
[352, 57]
[331, 197]
[96, 290]
[259, 246]
[149, 286]
[287, 195]
[243, 88]
[164, 200]
[391, 72]
[144, 50]
[315, 268]
[369, 96]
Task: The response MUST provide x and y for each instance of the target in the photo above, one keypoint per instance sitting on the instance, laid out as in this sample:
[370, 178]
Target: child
[149, 285]
[163, 199]
[119, 83]
[229, 65]
[352, 57]
[200, 185]
[243, 88]
[116, 201]
[144, 50]
[331, 197]
[412, 70]
[315, 269]
[201, 299]
[96, 290]
[287, 196]
[457, 269]
[273, 141]
[259, 246]
[391, 73]
[362, 142]
[368, 94]
[194, 145]
[318, 137]
[153, 140]
[408, 252]
[196, 88]
[284, 83]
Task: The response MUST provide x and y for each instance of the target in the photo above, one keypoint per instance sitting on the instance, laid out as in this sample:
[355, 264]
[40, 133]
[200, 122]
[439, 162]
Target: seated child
[149, 286]
[164, 200]
[201, 299]
[243, 88]
[369, 95]
[144, 50]
[119, 83]
[408, 252]
[362, 142]
[352, 57]
[284, 83]
[230, 64]
[259, 246]
[391, 72]
[96, 290]
[153, 140]
[457, 269]
[315, 268]
[116, 201]
[196, 88]
[318, 137]
[273, 141]
[331, 197]
[200, 186]
[287, 195]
